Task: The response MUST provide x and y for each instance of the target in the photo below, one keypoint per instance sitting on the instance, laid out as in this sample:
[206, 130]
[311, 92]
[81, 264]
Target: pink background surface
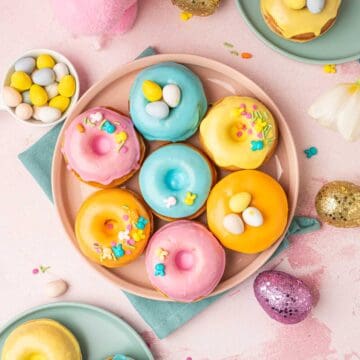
[235, 327]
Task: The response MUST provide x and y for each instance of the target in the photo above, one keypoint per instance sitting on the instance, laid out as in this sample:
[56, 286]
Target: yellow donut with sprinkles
[239, 133]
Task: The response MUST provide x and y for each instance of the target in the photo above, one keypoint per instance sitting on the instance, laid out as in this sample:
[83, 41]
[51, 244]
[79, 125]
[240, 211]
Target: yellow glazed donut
[41, 339]
[247, 211]
[238, 133]
[112, 227]
[300, 20]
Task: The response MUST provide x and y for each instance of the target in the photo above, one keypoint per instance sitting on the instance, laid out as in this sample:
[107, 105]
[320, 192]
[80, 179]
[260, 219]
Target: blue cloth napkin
[163, 317]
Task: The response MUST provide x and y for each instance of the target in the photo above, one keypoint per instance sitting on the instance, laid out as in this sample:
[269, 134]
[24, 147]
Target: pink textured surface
[235, 327]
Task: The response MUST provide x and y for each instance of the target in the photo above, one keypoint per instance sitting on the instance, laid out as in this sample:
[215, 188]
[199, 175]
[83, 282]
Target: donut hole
[185, 260]
[176, 179]
[101, 145]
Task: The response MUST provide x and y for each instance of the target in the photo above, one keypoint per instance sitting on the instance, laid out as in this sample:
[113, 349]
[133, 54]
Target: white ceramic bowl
[58, 58]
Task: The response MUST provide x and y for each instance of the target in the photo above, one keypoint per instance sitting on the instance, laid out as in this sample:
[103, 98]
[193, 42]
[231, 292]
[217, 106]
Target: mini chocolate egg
[20, 80]
[67, 86]
[315, 6]
[52, 90]
[56, 288]
[60, 102]
[252, 216]
[295, 4]
[45, 61]
[338, 204]
[26, 97]
[151, 91]
[233, 224]
[172, 95]
[43, 77]
[60, 70]
[157, 109]
[38, 95]
[283, 297]
[24, 111]
[25, 64]
[11, 96]
[239, 202]
[46, 114]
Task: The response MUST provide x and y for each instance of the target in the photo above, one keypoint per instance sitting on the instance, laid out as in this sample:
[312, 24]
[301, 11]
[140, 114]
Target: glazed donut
[112, 227]
[41, 339]
[300, 20]
[167, 102]
[102, 147]
[184, 261]
[247, 211]
[238, 133]
[175, 181]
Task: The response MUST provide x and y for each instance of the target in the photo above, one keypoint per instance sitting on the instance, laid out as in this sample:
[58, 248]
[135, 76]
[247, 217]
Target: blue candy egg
[43, 77]
[26, 64]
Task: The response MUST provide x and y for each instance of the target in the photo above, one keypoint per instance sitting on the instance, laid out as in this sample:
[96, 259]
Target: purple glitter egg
[283, 297]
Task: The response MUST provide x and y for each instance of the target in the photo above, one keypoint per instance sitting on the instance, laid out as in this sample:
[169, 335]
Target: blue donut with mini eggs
[167, 102]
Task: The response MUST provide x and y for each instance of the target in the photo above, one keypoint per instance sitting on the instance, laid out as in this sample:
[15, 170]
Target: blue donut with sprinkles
[175, 181]
[167, 102]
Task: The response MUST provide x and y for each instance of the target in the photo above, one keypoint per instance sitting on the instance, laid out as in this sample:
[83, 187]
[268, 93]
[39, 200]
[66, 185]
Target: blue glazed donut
[184, 119]
[175, 181]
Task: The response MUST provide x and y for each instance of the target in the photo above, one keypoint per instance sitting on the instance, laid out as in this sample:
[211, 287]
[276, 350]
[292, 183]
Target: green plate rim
[78, 305]
[308, 60]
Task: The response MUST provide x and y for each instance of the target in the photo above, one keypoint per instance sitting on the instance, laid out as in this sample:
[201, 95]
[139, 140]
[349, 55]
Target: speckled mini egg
[67, 86]
[11, 96]
[157, 109]
[25, 64]
[60, 70]
[233, 224]
[239, 202]
[338, 204]
[151, 91]
[295, 4]
[46, 114]
[172, 95]
[43, 77]
[315, 6]
[252, 216]
[52, 90]
[283, 297]
[24, 111]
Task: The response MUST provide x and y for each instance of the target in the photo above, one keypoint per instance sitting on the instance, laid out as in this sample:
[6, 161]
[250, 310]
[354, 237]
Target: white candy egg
[43, 77]
[315, 6]
[24, 111]
[46, 114]
[252, 216]
[11, 96]
[56, 288]
[60, 70]
[26, 64]
[52, 90]
[172, 95]
[26, 97]
[157, 109]
[233, 224]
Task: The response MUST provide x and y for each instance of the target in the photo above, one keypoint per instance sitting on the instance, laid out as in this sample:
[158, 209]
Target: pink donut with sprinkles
[102, 147]
[185, 261]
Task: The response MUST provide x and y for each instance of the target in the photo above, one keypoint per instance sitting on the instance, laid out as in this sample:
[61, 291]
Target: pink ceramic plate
[219, 80]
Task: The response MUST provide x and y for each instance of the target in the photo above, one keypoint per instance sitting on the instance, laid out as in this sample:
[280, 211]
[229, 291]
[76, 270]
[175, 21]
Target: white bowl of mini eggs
[40, 88]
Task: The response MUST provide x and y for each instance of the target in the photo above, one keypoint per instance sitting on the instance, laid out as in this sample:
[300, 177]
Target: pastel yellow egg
[20, 80]
[60, 102]
[239, 202]
[45, 61]
[67, 86]
[295, 4]
[151, 90]
[38, 95]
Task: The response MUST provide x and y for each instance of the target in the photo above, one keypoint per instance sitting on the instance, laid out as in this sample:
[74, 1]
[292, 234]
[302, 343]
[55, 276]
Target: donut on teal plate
[175, 181]
[167, 102]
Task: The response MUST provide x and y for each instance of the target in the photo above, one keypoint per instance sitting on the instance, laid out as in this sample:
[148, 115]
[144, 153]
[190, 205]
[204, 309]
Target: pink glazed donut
[185, 261]
[102, 148]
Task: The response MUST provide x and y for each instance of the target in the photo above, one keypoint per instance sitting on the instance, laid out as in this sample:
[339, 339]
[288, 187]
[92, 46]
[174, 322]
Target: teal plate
[99, 332]
[340, 44]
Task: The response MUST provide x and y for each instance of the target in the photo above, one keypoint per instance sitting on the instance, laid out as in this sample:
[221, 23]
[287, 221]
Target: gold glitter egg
[338, 204]
[197, 7]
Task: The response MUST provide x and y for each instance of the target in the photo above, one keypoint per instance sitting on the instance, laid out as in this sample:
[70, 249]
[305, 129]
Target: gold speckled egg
[338, 204]
[197, 7]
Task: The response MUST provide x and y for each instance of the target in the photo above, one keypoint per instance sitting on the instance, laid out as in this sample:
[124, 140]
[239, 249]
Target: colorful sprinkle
[257, 145]
[190, 198]
[119, 357]
[159, 270]
[124, 149]
[121, 137]
[118, 251]
[246, 55]
[185, 16]
[95, 117]
[170, 202]
[131, 242]
[35, 271]
[161, 253]
[228, 45]
[106, 254]
[138, 235]
[44, 269]
[234, 52]
[141, 223]
[329, 68]
[310, 152]
[124, 235]
[80, 128]
[108, 127]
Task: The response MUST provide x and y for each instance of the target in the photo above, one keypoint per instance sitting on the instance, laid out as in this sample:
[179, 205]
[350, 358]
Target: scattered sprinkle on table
[185, 16]
[43, 269]
[246, 55]
[234, 52]
[228, 45]
[329, 68]
[310, 152]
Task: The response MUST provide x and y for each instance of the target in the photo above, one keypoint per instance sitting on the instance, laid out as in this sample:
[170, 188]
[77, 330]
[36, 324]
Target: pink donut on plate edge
[185, 261]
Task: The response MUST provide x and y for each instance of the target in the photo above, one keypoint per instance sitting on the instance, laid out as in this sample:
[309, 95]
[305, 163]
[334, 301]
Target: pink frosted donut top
[185, 261]
[101, 146]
